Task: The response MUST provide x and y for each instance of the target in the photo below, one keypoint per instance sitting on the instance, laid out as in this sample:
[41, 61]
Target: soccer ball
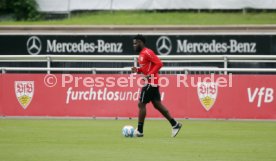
[128, 131]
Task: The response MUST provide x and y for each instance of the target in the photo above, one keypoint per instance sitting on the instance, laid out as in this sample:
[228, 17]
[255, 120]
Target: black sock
[140, 127]
[173, 122]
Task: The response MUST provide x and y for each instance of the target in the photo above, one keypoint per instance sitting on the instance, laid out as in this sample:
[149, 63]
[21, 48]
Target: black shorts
[149, 93]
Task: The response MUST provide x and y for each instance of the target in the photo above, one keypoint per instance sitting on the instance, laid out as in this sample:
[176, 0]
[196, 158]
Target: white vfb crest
[24, 91]
[207, 93]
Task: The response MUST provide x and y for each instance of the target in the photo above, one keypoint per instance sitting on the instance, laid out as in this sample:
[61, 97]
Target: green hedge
[22, 9]
[3, 6]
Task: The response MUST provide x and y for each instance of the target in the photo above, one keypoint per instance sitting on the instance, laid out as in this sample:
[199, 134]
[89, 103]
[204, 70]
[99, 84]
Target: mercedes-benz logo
[34, 45]
[163, 45]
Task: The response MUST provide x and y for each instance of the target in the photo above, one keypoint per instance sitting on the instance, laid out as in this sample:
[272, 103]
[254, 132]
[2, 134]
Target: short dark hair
[140, 37]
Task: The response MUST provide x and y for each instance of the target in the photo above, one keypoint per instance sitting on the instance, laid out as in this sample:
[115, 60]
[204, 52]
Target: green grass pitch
[101, 140]
[156, 18]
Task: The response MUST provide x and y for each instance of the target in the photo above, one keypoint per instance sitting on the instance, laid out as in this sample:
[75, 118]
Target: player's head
[139, 42]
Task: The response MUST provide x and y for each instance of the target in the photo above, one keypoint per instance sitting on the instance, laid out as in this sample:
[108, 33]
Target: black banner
[122, 44]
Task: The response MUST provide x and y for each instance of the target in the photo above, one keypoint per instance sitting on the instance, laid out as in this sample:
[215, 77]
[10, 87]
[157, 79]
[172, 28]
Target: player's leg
[176, 126]
[156, 101]
[143, 100]
[141, 116]
[164, 111]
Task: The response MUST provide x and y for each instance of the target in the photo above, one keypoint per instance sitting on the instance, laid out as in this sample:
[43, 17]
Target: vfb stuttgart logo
[24, 91]
[207, 93]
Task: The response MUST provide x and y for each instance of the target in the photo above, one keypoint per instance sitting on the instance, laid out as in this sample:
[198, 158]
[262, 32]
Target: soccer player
[149, 66]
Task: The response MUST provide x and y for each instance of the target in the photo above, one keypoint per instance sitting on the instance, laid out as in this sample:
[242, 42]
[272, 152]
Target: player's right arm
[157, 63]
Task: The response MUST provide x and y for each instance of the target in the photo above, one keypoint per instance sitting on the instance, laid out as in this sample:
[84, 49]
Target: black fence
[122, 45]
